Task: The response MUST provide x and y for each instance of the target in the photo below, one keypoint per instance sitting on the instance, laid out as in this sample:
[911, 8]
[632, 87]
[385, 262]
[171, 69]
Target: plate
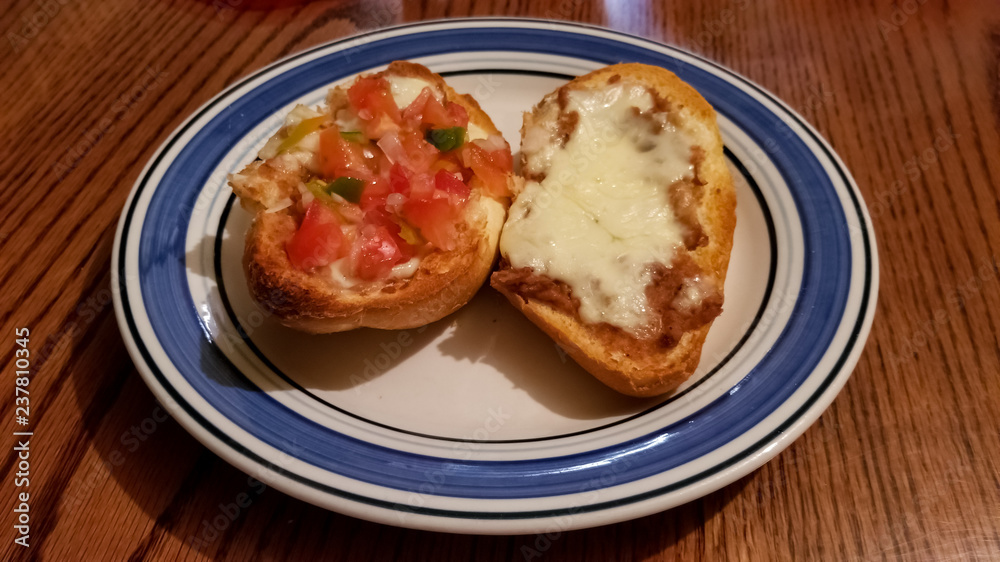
[479, 423]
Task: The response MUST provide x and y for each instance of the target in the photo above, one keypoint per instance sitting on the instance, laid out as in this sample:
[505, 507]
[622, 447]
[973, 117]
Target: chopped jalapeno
[446, 139]
[353, 136]
[318, 189]
[348, 188]
[299, 132]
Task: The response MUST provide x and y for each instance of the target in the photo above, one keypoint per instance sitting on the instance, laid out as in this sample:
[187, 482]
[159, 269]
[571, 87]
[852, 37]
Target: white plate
[478, 423]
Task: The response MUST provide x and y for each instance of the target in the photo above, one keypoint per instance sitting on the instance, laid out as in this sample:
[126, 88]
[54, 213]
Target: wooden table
[904, 465]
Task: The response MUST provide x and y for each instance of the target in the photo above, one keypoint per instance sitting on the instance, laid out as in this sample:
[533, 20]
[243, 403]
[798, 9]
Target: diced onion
[394, 202]
[307, 198]
[346, 120]
[393, 148]
[279, 205]
[491, 143]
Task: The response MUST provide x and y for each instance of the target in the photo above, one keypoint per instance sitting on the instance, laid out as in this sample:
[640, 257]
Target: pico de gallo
[387, 184]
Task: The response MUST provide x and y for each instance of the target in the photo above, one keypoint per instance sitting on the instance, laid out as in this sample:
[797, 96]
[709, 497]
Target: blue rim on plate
[777, 399]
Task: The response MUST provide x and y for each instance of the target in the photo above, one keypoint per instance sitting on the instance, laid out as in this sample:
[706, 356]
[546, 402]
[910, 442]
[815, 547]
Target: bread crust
[633, 366]
[443, 282]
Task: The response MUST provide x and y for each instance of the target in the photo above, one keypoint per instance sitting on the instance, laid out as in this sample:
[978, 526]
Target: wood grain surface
[903, 466]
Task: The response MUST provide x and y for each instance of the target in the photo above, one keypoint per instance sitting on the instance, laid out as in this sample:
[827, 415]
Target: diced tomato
[383, 219]
[491, 167]
[379, 217]
[447, 162]
[371, 95]
[436, 219]
[459, 117]
[456, 189]
[440, 116]
[428, 110]
[318, 241]
[443, 116]
[414, 113]
[398, 180]
[376, 251]
[422, 153]
[421, 186]
[411, 184]
[373, 101]
[409, 149]
[374, 194]
[392, 147]
[339, 157]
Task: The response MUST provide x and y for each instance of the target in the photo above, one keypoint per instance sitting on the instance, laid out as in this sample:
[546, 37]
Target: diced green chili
[446, 139]
[348, 188]
[353, 136]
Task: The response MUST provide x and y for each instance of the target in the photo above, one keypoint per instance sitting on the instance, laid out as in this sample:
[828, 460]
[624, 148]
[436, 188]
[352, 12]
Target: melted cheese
[340, 272]
[297, 115]
[602, 214]
[405, 89]
[474, 132]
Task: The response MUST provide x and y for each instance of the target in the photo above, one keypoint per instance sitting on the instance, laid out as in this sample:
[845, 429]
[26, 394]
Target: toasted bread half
[415, 281]
[618, 242]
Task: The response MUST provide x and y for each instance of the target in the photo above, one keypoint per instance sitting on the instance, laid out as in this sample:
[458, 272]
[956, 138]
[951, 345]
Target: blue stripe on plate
[171, 311]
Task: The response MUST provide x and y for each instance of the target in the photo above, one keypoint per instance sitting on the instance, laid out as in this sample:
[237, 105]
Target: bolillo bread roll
[382, 209]
[618, 242]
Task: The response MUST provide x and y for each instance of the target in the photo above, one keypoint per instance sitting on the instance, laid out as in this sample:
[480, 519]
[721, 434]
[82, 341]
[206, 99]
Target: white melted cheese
[297, 115]
[340, 272]
[475, 132]
[405, 89]
[602, 214]
[406, 269]
[347, 120]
